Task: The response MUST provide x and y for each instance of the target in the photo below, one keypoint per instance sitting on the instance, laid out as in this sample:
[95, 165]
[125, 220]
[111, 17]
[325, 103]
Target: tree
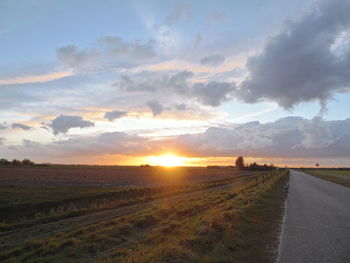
[4, 162]
[240, 163]
[27, 162]
[16, 162]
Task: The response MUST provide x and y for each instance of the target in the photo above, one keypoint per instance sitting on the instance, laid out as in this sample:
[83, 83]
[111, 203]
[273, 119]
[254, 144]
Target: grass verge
[338, 177]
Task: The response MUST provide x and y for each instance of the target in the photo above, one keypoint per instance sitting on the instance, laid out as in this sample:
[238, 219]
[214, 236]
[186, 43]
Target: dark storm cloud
[63, 123]
[299, 65]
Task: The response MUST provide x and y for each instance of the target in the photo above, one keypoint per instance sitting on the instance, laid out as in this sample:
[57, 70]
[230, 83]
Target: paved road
[317, 221]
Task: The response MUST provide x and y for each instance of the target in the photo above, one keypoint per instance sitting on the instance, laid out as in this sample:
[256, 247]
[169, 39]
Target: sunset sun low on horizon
[168, 160]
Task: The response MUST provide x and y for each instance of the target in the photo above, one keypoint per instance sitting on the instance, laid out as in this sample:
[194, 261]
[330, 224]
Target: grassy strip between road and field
[335, 176]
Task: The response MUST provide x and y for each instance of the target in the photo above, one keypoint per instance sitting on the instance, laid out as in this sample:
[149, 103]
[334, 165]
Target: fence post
[257, 181]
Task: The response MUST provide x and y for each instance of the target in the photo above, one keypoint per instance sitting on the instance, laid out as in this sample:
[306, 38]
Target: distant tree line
[145, 166]
[15, 162]
[240, 165]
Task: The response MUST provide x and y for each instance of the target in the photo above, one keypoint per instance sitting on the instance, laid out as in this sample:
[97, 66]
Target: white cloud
[316, 133]
[3, 126]
[291, 137]
[286, 138]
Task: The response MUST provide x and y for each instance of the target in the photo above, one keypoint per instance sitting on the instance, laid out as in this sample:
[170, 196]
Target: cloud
[213, 93]
[73, 57]
[298, 65]
[35, 78]
[2, 140]
[20, 126]
[155, 82]
[181, 107]
[182, 11]
[155, 107]
[213, 60]
[115, 114]
[286, 138]
[210, 93]
[3, 126]
[106, 143]
[13, 98]
[290, 137]
[316, 133]
[128, 52]
[63, 123]
[109, 52]
[198, 40]
[30, 144]
[82, 146]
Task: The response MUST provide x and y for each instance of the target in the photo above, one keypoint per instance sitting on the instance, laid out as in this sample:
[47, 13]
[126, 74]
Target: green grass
[341, 177]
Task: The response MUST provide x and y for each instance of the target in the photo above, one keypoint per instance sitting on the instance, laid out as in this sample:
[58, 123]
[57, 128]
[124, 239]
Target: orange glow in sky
[167, 160]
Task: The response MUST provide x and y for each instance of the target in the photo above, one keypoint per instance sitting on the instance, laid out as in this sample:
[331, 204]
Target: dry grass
[194, 226]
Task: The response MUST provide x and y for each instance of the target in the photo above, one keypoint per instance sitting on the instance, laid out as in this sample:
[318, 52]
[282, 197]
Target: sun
[167, 160]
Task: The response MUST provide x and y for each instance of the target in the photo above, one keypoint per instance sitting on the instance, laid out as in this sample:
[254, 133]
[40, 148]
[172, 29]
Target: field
[133, 214]
[109, 176]
[339, 176]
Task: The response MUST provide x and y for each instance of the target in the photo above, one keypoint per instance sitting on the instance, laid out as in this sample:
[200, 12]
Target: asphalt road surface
[317, 221]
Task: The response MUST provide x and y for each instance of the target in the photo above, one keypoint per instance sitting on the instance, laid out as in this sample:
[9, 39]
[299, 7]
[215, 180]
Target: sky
[122, 82]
